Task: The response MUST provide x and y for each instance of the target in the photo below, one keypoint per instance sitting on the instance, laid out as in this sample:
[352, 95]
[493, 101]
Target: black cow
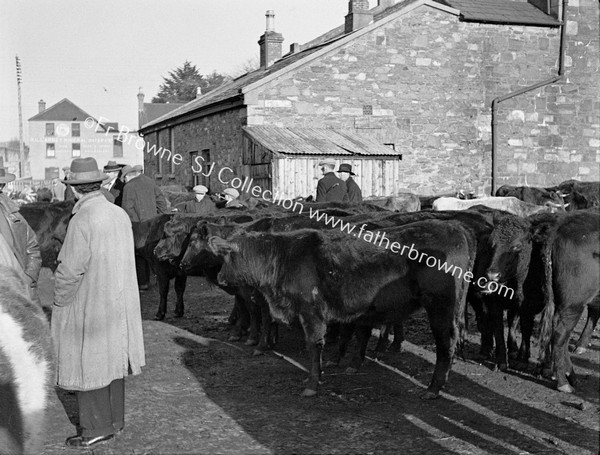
[146, 236]
[49, 221]
[533, 195]
[562, 278]
[320, 276]
[580, 195]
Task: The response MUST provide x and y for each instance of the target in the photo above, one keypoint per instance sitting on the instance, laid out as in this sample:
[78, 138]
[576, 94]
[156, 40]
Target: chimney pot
[198, 91]
[41, 106]
[294, 48]
[270, 15]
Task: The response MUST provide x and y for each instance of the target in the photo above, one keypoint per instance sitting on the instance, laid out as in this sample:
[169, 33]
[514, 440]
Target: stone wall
[220, 134]
[425, 82]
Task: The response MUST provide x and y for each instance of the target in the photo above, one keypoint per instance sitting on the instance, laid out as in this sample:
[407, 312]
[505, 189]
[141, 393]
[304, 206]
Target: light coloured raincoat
[96, 319]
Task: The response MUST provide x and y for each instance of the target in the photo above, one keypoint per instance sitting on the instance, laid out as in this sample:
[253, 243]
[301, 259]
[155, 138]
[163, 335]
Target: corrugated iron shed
[315, 141]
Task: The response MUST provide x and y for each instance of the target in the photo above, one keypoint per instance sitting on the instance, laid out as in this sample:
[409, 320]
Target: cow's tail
[547, 328]
[461, 308]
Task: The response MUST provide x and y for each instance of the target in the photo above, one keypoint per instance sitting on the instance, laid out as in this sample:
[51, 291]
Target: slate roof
[65, 110]
[152, 111]
[501, 12]
[489, 11]
[317, 141]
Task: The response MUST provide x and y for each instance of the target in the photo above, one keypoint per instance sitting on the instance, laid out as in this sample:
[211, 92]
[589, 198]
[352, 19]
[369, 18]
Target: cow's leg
[345, 332]
[565, 321]
[396, 345]
[486, 327]
[526, 319]
[242, 320]
[163, 292]
[180, 281]
[501, 355]
[254, 312]
[384, 334]
[512, 317]
[445, 332]
[265, 326]
[314, 332]
[586, 335]
[363, 334]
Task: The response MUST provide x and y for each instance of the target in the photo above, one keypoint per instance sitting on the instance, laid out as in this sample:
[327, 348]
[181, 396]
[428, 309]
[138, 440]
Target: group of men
[332, 188]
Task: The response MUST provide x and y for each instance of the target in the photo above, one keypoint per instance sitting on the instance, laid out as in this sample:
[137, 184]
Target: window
[194, 167]
[49, 129]
[159, 166]
[76, 150]
[75, 129]
[368, 109]
[204, 180]
[50, 151]
[51, 173]
[117, 147]
[172, 148]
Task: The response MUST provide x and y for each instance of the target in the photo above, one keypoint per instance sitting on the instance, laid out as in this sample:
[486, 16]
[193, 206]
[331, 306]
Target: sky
[99, 53]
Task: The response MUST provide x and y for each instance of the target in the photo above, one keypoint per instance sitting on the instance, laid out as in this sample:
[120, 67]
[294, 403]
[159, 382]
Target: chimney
[358, 15]
[294, 48]
[198, 92]
[41, 106]
[270, 42]
[141, 111]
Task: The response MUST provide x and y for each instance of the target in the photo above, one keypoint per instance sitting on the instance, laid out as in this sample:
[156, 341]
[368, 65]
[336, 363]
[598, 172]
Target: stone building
[429, 96]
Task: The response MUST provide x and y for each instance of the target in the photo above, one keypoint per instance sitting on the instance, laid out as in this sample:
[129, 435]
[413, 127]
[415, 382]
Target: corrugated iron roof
[501, 12]
[317, 141]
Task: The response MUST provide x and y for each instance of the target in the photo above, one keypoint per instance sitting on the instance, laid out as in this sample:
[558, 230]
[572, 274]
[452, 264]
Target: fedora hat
[200, 189]
[6, 177]
[112, 166]
[127, 169]
[345, 167]
[327, 162]
[231, 192]
[85, 170]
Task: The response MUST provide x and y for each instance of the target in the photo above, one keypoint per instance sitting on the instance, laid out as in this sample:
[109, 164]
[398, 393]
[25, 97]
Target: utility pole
[21, 145]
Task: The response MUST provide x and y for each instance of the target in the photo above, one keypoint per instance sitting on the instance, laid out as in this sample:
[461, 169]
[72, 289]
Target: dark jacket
[143, 199]
[353, 194]
[204, 207]
[331, 188]
[22, 240]
[117, 191]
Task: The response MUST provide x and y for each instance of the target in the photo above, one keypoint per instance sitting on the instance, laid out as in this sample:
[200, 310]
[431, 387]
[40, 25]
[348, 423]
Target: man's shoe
[82, 441]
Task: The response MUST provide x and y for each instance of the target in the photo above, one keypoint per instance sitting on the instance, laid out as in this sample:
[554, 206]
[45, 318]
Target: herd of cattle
[313, 267]
[544, 244]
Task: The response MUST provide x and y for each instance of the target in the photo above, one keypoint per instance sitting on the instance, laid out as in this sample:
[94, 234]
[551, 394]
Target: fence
[20, 185]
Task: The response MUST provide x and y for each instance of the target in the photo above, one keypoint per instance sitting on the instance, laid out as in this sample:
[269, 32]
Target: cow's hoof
[351, 370]
[159, 316]
[395, 347]
[503, 367]
[178, 314]
[331, 363]
[308, 393]
[429, 395]
[580, 350]
[258, 352]
[251, 342]
[234, 338]
[566, 388]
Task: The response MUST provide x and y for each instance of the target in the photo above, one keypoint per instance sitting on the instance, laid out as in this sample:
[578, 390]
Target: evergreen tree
[182, 84]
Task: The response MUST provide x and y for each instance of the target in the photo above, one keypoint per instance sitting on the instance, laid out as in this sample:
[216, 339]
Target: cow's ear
[202, 230]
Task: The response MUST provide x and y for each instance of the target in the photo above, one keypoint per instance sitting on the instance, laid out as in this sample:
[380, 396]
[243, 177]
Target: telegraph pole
[21, 145]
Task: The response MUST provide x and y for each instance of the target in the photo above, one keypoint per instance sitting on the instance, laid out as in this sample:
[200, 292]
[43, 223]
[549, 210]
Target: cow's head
[228, 251]
[510, 247]
[173, 244]
[198, 254]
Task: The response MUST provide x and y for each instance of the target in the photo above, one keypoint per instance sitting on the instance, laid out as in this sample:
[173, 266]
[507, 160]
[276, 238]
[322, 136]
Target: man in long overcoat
[330, 188]
[353, 192]
[96, 319]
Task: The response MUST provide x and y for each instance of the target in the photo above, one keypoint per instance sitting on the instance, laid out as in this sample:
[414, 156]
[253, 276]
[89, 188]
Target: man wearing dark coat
[201, 205]
[353, 192]
[330, 188]
[116, 184]
[142, 200]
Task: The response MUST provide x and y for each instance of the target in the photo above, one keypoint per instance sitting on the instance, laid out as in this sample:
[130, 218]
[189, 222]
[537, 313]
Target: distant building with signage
[10, 158]
[64, 131]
